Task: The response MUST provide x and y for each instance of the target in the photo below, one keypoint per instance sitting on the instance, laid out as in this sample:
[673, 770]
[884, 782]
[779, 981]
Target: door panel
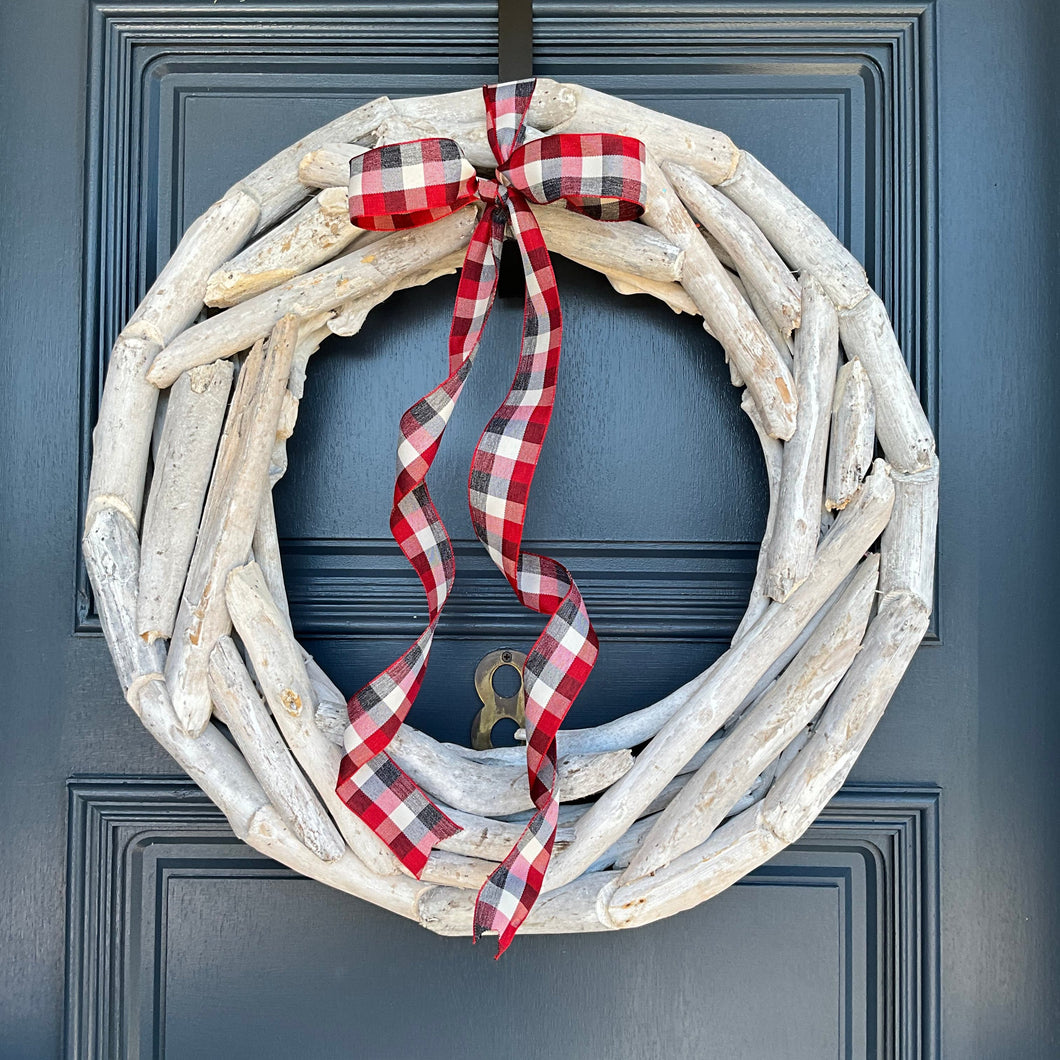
[916, 917]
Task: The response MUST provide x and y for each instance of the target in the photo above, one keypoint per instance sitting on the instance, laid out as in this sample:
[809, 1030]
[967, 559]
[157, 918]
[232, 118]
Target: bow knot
[403, 186]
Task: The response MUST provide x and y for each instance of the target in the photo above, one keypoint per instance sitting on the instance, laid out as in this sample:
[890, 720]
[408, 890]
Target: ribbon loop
[411, 184]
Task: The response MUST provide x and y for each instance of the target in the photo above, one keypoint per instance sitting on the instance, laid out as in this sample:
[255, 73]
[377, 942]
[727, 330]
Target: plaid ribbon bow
[403, 186]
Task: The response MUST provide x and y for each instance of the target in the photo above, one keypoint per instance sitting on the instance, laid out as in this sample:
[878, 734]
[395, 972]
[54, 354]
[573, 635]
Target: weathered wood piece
[229, 518]
[266, 549]
[800, 496]
[773, 455]
[759, 265]
[852, 437]
[907, 548]
[183, 464]
[723, 308]
[112, 559]
[666, 138]
[318, 232]
[494, 789]
[238, 705]
[352, 276]
[901, 423]
[328, 166]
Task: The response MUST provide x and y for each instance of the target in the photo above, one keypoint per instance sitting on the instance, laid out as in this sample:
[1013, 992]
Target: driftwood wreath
[731, 767]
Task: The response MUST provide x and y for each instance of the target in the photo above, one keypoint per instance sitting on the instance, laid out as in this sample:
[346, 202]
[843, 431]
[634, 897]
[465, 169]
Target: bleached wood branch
[274, 186]
[800, 496]
[853, 435]
[773, 455]
[801, 791]
[194, 415]
[239, 706]
[318, 232]
[494, 789]
[753, 256]
[666, 138]
[280, 671]
[723, 308]
[907, 548]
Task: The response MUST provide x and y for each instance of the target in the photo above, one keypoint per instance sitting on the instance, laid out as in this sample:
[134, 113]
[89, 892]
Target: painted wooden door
[917, 915]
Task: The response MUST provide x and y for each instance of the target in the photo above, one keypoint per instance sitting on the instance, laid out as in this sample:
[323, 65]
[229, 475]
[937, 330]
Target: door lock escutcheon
[496, 707]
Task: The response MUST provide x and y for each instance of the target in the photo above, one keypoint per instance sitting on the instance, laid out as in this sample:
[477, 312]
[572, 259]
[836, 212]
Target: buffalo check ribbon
[406, 185]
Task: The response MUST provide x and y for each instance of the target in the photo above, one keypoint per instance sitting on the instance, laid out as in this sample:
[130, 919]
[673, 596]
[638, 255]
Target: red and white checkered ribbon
[404, 186]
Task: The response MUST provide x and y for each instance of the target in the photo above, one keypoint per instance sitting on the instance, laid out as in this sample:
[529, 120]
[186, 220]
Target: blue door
[917, 917]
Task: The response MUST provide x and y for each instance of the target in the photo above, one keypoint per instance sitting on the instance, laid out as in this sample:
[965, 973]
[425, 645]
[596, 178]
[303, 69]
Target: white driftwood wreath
[737, 762]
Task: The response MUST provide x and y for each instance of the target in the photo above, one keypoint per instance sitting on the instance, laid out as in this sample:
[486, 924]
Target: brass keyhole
[496, 707]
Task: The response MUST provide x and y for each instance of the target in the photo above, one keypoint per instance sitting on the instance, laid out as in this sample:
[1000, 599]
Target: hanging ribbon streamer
[404, 186]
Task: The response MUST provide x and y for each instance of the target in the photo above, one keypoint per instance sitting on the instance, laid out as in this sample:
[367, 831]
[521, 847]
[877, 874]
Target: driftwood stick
[573, 908]
[494, 789]
[731, 678]
[901, 423]
[763, 732]
[279, 666]
[482, 837]
[801, 237]
[853, 435]
[673, 294]
[461, 116]
[773, 454]
[724, 309]
[801, 493]
[758, 264]
[785, 657]
[275, 186]
[801, 791]
[329, 165]
[783, 341]
[669, 139]
[623, 246]
[194, 415]
[228, 521]
[176, 296]
[122, 436]
[323, 288]
[618, 857]
[318, 232]
[121, 439]
[112, 559]
[908, 545]
[239, 706]
[349, 317]
[266, 549]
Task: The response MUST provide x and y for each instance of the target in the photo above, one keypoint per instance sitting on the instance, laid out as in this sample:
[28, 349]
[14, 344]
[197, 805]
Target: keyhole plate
[496, 707]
